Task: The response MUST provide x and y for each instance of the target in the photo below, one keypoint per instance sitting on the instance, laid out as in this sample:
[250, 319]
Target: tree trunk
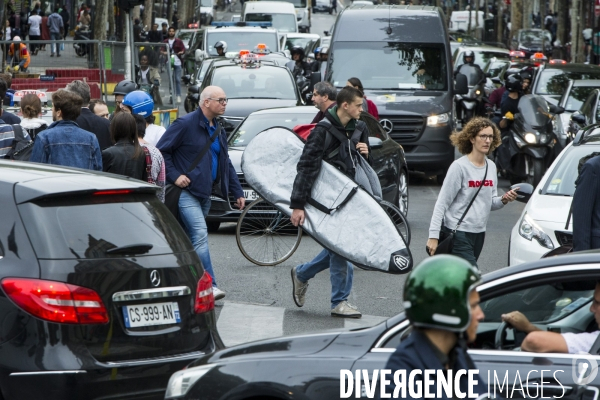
[191, 11]
[100, 19]
[148, 10]
[527, 10]
[576, 35]
[170, 11]
[542, 11]
[500, 21]
[516, 19]
[183, 12]
[561, 27]
[111, 20]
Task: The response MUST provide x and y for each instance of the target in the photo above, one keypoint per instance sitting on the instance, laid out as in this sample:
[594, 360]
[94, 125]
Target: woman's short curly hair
[462, 140]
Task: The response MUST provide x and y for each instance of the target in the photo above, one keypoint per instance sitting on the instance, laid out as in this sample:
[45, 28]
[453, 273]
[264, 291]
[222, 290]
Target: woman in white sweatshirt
[466, 174]
[31, 108]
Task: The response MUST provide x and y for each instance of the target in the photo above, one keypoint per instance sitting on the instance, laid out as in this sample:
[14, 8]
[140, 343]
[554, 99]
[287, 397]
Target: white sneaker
[178, 99]
[345, 310]
[218, 293]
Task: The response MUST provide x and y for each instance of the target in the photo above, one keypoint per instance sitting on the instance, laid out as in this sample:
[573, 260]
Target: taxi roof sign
[220, 24]
[19, 94]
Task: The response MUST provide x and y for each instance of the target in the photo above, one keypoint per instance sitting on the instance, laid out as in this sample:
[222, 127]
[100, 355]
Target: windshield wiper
[140, 248]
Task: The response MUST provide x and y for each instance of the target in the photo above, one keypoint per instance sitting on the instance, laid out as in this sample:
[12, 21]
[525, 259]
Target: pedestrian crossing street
[239, 323]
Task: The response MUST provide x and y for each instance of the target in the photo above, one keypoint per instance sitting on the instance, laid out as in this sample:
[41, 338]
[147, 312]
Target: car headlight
[529, 230]
[437, 120]
[530, 138]
[182, 381]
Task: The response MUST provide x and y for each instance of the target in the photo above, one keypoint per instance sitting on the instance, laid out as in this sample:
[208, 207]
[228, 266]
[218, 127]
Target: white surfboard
[359, 231]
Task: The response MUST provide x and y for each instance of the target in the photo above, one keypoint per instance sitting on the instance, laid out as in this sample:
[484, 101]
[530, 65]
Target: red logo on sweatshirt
[476, 184]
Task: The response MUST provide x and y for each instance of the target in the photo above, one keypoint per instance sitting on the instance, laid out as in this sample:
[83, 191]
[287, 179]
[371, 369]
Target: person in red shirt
[368, 105]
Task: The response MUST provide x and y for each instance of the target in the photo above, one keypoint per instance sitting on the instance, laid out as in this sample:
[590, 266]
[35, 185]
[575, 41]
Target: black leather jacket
[118, 159]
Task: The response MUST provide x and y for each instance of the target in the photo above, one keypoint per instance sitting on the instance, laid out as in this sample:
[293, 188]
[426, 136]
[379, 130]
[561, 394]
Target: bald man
[199, 133]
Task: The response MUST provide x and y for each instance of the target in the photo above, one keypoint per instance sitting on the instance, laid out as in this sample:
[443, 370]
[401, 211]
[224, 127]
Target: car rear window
[561, 181]
[87, 226]
[257, 123]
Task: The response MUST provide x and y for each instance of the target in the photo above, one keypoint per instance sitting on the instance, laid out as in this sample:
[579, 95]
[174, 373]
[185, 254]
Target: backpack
[22, 145]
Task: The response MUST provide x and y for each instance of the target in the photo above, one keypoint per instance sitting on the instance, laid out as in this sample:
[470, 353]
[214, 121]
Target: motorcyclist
[121, 90]
[221, 48]
[315, 66]
[526, 77]
[301, 67]
[469, 60]
[442, 305]
[510, 105]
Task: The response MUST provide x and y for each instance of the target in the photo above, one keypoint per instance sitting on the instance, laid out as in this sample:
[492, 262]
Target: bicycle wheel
[398, 219]
[265, 235]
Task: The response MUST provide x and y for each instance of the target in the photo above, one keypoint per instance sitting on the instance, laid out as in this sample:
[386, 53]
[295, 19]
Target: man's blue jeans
[193, 211]
[340, 270]
[177, 76]
[55, 45]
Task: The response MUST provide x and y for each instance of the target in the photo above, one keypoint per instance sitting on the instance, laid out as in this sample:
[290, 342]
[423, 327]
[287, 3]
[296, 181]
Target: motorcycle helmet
[140, 102]
[317, 51]
[125, 87]
[526, 74]
[221, 44]
[513, 83]
[509, 72]
[297, 50]
[467, 54]
[436, 293]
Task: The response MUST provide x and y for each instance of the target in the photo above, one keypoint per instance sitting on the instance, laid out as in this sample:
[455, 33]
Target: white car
[542, 225]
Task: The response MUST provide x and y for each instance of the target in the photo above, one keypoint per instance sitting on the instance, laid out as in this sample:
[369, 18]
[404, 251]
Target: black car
[554, 293]
[101, 292]
[251, 85]
[388, 158]
[531, 41]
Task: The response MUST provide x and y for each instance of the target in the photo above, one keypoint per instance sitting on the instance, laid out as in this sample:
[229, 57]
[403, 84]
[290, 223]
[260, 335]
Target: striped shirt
[7, 136]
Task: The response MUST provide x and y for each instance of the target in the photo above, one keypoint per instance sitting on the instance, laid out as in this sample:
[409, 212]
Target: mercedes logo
[387, 125]
[155, 278]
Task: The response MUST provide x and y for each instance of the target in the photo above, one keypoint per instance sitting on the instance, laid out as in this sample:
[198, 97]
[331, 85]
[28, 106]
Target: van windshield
[296, 3]
[237, 41]
[281, 22]
[403, 66]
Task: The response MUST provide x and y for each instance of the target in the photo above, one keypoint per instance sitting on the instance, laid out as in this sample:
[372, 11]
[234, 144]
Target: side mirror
[488, 75]
[554, 109]
[186, 79]
[375, 143]
[326, 33]
[461, 85]
[193, 89]
[578, 118]
[199, 55]
[524, 191]
[496, 80]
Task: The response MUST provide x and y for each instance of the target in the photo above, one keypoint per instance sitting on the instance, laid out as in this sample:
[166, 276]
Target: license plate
[151, 314]
[250, 195]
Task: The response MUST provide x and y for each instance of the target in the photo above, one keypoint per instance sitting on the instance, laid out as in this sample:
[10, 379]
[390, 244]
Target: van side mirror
[375, 143]
[461, 85]
[193, 89]
[578, 118]
[524, 191]
[326, 33]
[554, 109]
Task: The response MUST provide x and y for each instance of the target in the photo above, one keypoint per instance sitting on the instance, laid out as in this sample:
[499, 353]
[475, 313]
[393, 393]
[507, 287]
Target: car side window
[597, 110]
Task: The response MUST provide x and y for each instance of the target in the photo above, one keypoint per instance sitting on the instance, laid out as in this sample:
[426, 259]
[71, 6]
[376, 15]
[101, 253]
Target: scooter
[528, 147]
[471, 104]
[82, 32]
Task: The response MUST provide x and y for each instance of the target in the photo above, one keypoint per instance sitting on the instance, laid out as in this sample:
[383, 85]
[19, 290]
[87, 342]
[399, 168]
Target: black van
[402, 56]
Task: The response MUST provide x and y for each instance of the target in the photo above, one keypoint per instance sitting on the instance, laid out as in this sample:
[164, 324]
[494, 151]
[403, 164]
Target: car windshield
[527, 36]
[296, 3]
[577, 96]
[282, 22]
[185, 36]
[257, 123]
[542, 304]
[535, 110]
[494, 68]
[555, 81]
[481, 57]
[561, 181]
[302, 42]
[255, 83]
[399, 65]
[80, 227]
[237, 41]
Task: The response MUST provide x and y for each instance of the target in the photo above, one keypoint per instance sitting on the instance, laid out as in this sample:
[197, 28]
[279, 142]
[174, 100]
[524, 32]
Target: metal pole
[128, 48]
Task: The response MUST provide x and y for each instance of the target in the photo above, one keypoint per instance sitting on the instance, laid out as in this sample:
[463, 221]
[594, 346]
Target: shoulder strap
[205, 149]
[473, 199]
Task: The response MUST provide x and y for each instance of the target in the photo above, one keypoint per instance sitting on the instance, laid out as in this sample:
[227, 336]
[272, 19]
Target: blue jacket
[586, 207]
[180, 145]
[416, 353]
[55, 22]
[65, 143]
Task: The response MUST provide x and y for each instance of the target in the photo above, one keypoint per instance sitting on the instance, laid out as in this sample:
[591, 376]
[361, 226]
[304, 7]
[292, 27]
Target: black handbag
[446, 241]
[172, 191]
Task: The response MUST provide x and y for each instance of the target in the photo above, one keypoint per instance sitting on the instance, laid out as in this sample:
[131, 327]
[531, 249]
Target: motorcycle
[528, 147]
[302, 82]
[82, 32]
[471, 104]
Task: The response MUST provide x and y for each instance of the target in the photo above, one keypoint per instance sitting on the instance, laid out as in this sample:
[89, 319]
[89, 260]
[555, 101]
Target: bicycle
[266, 236]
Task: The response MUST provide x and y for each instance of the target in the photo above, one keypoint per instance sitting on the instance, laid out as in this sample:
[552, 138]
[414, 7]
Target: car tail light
[205, 300]
[56, 301]
[112, 192]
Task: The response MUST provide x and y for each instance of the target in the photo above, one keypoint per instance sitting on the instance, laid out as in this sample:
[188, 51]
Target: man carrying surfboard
[322, 145]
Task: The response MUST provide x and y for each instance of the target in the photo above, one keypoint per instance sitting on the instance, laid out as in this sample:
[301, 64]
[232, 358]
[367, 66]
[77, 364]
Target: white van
[281, 14]
[460, 20]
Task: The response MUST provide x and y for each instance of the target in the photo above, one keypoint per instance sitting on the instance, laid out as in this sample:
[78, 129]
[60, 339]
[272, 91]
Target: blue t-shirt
[215, 149]
[10, 118]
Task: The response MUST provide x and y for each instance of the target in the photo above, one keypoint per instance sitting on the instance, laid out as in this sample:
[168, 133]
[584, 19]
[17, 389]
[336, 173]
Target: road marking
[243, 322]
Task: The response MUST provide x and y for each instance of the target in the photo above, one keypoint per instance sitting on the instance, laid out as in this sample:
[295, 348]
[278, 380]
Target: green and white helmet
[436, 293]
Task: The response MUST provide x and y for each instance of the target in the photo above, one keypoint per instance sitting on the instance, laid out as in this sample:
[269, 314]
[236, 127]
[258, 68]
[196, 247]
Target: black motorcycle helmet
[509, 72]
[467, 54]
[297, 50]
[125, 87]
[526, 73]
[513, 83]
